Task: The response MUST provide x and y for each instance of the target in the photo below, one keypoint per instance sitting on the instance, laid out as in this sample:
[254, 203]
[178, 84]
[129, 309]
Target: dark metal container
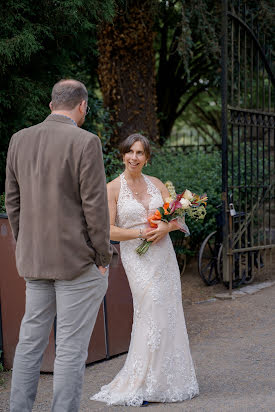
[111, 334]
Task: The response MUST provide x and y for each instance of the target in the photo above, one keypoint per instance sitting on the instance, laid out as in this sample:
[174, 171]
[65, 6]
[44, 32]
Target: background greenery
[2, 203]
[41, 42]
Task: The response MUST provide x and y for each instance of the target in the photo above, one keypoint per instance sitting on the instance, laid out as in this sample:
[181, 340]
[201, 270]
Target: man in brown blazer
[56, 202]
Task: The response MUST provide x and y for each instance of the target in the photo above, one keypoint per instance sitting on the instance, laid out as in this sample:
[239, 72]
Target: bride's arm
[117, 233]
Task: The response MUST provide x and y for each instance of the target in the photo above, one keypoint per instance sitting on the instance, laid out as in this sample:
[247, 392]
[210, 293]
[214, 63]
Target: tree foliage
[41, 42]
[188, 50]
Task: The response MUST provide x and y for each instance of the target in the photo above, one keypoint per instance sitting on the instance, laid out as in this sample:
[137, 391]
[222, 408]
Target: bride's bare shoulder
[114, 183]
[158, 183]
[113, 187]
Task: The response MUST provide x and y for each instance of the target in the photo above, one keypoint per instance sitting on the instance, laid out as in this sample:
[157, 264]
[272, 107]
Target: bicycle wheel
[219, 263]
[208, 256]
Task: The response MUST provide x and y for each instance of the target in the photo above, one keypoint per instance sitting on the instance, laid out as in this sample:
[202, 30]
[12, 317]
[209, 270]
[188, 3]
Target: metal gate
[248, 156]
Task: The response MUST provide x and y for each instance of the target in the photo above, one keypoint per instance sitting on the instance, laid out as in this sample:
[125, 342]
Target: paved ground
[232, 344]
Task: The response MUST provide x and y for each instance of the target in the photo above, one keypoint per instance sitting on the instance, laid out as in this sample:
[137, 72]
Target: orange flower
[165, 207]
[156, 216]
[150, 218]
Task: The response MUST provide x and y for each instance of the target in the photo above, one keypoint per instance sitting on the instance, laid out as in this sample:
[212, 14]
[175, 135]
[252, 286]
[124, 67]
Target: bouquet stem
[141, 249]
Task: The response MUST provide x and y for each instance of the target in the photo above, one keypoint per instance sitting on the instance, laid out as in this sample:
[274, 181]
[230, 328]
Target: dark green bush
[2, 203]
[98, 122]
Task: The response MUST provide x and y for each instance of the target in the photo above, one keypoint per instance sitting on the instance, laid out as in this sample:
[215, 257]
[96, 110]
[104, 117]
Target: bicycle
[211, 251]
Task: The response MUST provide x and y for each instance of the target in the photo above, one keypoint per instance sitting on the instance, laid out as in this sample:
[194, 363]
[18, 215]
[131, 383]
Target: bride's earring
[146, 163]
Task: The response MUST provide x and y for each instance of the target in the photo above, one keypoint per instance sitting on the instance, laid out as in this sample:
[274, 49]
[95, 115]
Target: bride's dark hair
[126, 145]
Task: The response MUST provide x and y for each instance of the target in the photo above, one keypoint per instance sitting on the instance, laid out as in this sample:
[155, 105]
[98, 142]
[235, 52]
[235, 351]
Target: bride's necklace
[135, 193]
[133, 190]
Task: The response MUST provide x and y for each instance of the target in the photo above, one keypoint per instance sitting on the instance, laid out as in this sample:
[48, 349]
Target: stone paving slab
[249, 289]
[232, 344]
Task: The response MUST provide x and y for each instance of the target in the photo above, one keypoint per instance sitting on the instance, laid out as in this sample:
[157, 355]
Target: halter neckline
[147, 182]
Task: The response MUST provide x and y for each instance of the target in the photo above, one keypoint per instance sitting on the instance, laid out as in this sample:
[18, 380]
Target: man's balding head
[67, 94]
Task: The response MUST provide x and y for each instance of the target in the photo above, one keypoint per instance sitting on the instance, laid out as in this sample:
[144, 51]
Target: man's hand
[102, 269]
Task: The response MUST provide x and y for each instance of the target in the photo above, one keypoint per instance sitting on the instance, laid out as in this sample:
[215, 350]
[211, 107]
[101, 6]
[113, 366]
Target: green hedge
[2, 203]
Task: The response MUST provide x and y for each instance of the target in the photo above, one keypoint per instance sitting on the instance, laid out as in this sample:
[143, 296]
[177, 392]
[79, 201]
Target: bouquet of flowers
[175, 207]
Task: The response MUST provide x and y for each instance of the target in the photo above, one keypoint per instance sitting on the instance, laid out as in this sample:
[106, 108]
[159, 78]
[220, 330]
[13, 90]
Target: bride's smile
[135, 159]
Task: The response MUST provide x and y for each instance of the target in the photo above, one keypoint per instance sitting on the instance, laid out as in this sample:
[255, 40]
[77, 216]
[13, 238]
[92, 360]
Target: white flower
[171, 189]
[187, 195]
[185, 203]
[169, 200]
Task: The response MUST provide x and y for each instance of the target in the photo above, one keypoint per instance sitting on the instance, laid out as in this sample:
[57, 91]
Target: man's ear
[82, 107]
[51, 106]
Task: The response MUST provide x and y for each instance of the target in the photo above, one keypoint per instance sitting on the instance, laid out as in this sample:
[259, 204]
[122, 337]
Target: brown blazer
[56, 200]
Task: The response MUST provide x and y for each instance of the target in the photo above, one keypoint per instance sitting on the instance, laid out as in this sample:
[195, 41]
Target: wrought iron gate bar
[227, 263]
[245, 56]
[249, 186]
[251, 111]
[254, 125]
[259, 48]
[252, 248]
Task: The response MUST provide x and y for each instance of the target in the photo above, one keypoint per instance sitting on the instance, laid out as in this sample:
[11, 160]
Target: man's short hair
[67, 94]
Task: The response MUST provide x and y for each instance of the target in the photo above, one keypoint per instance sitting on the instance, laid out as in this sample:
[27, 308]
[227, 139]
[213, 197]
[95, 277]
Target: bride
[159, 367]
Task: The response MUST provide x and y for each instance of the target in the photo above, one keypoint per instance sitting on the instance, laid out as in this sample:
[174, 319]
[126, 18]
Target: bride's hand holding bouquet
[171, 215]
[160, 230]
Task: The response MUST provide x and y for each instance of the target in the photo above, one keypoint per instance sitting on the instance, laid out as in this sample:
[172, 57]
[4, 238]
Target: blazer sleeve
[93, 192]
[12, 193]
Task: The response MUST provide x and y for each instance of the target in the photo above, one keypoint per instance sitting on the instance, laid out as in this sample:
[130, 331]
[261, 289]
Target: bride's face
[135, 159]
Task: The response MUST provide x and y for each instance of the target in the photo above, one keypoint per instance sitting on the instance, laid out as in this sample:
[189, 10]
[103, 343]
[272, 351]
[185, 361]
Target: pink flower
[175, 205]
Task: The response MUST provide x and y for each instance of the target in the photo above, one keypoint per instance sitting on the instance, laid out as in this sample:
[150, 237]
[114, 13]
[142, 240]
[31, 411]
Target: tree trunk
[127, 72]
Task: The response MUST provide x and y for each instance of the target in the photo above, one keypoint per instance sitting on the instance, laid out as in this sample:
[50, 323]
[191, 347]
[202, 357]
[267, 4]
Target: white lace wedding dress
[159, 367]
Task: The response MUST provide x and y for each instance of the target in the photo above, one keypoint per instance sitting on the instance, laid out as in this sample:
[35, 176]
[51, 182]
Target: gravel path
[232, 344]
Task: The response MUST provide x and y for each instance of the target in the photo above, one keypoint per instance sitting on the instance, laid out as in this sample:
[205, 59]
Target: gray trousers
[76, 304]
